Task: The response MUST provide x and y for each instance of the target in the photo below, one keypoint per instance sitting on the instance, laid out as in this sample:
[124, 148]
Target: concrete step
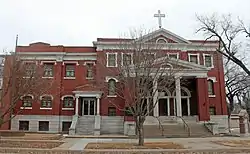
[176, 130]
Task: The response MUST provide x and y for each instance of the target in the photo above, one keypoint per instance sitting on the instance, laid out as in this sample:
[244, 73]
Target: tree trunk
[140, 131]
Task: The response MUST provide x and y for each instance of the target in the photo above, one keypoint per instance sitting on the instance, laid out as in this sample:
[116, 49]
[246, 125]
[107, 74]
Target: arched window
[161, 40]
[111, 87]
[210, 87]
[68, 102]
[27, 101]
[46, 102]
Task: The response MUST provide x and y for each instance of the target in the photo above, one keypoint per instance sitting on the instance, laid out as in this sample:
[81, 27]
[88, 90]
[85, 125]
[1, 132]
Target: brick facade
[60, 56]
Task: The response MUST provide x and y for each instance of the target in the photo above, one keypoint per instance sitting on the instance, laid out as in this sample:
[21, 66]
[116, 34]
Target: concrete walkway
[188, 143]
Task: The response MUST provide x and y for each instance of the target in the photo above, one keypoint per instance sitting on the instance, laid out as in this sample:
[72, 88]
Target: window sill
[111, 66]
[67, 108]
[69, 78]
[89, 78]
[26, 108]
[27, 77]
[211, 96]
[45, 108]
[47, 77]
[112, 96]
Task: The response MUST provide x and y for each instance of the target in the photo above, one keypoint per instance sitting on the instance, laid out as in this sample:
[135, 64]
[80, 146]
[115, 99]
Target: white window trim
[152, 53]
[194, 54]
[47, 77]
[89, 62]
[174, 54]
[70, 62]
[45, 108]
[68, 108]
[212, 78]
[27, 62]
[27, 95]
[110, 96]
[46, 95]
[48, 62]
[131, 57]
[161, 38]
[107, 55]
[109, 78]
[211, 95]
[69, 78]
[212, 60]
[25, 108]
[62, 98]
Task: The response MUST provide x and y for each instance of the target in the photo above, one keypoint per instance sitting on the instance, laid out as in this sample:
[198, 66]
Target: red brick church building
[83, 109]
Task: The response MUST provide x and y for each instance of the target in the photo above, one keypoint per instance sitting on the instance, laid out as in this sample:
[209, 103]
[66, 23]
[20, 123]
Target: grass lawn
[149, 145]
[234, 143]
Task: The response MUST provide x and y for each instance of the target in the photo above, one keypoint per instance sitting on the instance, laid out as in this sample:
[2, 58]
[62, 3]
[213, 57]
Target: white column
[178, 96]
[168, 106]
[77, 105]
[155, 97]
[98, 106]
[188, 106]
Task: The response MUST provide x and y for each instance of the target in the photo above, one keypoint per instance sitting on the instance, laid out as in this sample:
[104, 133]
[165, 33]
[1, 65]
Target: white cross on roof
[159, 16]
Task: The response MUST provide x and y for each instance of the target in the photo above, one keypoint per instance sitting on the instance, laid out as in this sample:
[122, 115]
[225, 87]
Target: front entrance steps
[85, 125]
[176, 130]
[150, 120]
[174, 127]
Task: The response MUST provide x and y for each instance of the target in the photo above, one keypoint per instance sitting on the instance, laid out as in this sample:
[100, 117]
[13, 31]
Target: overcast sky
[79, 22]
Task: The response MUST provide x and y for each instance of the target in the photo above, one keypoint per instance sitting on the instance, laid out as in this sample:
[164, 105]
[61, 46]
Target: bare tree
[228, 34]
[144, 74]
[21, 79]
[236, 81]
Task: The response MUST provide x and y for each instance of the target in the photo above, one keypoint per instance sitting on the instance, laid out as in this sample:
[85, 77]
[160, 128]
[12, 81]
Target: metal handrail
[185, 126]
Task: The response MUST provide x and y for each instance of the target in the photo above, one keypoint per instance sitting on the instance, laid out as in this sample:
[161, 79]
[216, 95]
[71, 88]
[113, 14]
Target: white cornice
[168, 46]
[57, 53]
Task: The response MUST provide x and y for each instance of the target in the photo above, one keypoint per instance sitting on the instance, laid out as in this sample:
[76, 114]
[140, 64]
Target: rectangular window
[65, 126]
[48, 70]
[30, 69]
[210, 87]
[46, 102]
[150, 57]
[68, 102]
[126, 59]
[89, 74]
[111, 111]
[173, 55]
[208, 62]
[111, 59]
[43, 126]
[27, 101]
[212, 110]
[23, 125]
[194, 59]
[70, 70]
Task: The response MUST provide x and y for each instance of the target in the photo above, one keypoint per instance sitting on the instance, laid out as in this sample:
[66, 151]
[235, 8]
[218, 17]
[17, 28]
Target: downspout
[60, 96]
[12, 87]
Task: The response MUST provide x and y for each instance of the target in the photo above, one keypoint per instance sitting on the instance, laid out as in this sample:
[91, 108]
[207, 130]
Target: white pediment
[181, 64]
[164, 34]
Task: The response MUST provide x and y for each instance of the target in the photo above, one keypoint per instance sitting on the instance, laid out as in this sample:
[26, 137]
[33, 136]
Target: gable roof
[165, 33]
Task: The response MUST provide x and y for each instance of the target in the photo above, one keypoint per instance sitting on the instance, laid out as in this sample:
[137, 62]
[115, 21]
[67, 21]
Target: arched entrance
[185, 101]
[164, 102]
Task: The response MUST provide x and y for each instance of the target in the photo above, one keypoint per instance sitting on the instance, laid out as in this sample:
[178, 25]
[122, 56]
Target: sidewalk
[188, 143]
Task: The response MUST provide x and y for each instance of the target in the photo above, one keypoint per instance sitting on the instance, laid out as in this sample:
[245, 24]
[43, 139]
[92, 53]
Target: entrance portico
[89, 102]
